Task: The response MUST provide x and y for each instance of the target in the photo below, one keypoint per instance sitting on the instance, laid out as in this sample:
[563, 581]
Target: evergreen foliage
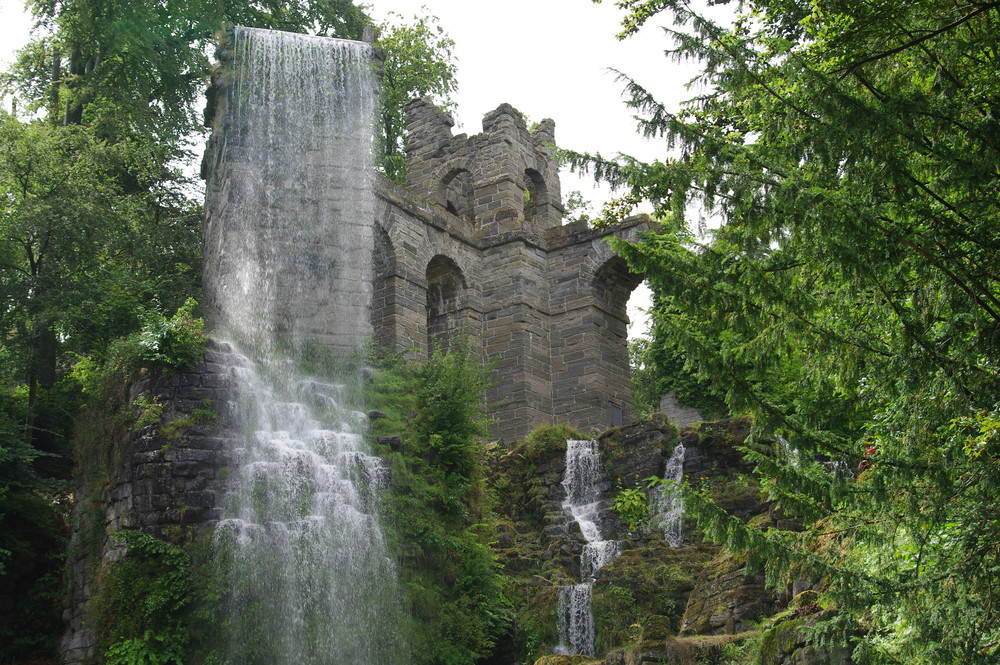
[659, 368]
[849, 301]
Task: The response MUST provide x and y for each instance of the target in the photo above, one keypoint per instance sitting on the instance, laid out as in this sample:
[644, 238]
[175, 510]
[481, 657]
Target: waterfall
[668, 501]
[290, 209]
[288, 263]
[581, 481]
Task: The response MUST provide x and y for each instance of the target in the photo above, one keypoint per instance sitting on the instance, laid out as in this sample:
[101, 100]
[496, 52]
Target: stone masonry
[166, 479]
[476, 241]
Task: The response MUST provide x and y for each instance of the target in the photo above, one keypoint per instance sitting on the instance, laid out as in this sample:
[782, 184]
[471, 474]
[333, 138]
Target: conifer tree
[849, 301]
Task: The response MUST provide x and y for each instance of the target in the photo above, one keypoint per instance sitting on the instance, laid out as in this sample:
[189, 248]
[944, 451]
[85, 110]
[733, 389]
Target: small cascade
[668, 501]
[576, 621]
[789, 453]
[582, 483]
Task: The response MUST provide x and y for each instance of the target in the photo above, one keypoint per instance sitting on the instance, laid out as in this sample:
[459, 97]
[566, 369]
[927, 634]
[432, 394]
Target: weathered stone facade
[476, 241]
[166, 479]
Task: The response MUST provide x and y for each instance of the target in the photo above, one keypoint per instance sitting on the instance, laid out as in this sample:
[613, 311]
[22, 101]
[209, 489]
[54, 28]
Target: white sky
[548, 58]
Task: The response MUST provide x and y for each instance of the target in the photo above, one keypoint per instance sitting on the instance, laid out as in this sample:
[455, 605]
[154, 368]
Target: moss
[787, 632]
[707, 649]
[175, 428]
[546, 442]
[566, 660]
[645, 582]
[537, 620]
[780, 639]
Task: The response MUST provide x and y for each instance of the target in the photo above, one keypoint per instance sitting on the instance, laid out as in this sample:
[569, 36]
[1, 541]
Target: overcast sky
[548, 58]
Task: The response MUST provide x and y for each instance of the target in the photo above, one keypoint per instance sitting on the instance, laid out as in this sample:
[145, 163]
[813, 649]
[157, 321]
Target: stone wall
[483, 215]
[166, 480]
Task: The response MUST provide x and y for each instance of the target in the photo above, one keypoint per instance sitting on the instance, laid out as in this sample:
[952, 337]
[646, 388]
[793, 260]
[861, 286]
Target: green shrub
[175, 342]
[452, 418]
[139, 602]
[437, 511]
[156, 605]
[632, 506]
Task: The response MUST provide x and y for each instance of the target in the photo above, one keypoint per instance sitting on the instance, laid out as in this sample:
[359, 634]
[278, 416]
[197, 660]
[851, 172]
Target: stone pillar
[590, 370]
[516, 330]
[499, 182]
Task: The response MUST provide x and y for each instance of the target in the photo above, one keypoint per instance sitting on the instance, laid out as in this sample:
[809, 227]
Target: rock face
[667, 604]
[729, 601]
[678, 414]
[168, 481]
[654, 604]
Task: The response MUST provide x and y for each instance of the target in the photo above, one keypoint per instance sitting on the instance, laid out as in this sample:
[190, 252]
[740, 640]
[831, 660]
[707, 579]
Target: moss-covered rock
[639, 600]
[784, 641]
[650, 579]
[702, 649]
[727, 600]
[566, 660]
[635, 452]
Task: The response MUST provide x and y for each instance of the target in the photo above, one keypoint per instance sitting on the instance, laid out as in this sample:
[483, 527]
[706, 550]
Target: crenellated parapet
[502, 180]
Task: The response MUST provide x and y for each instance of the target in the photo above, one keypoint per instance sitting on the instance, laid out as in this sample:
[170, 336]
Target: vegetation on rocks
[438, 512]
[847, 304]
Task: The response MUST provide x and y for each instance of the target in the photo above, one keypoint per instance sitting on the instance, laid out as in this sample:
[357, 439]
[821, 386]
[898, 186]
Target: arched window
[445, 294]
[456, 194]
[613, 284]
[534, 194]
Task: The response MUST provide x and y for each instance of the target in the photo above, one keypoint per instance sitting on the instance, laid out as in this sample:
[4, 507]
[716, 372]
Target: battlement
[502, 180]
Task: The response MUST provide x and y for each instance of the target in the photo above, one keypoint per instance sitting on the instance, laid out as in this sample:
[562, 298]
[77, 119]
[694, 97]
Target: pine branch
[919, 40]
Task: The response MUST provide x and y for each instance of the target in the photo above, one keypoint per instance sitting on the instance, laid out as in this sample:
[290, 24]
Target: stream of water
[582, 482]
[667, 502]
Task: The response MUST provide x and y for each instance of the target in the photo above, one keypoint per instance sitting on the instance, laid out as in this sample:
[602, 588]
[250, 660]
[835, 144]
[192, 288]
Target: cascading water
[582, 481]
[290, 208]
[288, 267]
[668, 501]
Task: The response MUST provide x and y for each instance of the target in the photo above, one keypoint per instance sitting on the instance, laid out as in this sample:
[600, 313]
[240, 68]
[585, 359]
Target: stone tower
[476, 241]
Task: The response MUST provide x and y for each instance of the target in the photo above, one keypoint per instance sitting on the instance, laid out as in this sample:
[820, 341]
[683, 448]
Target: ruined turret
[502, 180]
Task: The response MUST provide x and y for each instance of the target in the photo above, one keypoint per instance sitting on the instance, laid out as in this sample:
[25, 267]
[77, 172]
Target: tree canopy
[418, 63]
[100, 223]
[849, 300]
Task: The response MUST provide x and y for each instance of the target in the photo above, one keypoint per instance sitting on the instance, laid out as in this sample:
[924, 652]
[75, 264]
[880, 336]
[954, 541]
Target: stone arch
[455, 193]
[446, 300]
[535, 195]
[613, 283]
[383, 299]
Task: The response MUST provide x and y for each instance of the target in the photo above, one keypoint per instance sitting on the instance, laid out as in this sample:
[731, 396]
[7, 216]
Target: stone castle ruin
[474, 242]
